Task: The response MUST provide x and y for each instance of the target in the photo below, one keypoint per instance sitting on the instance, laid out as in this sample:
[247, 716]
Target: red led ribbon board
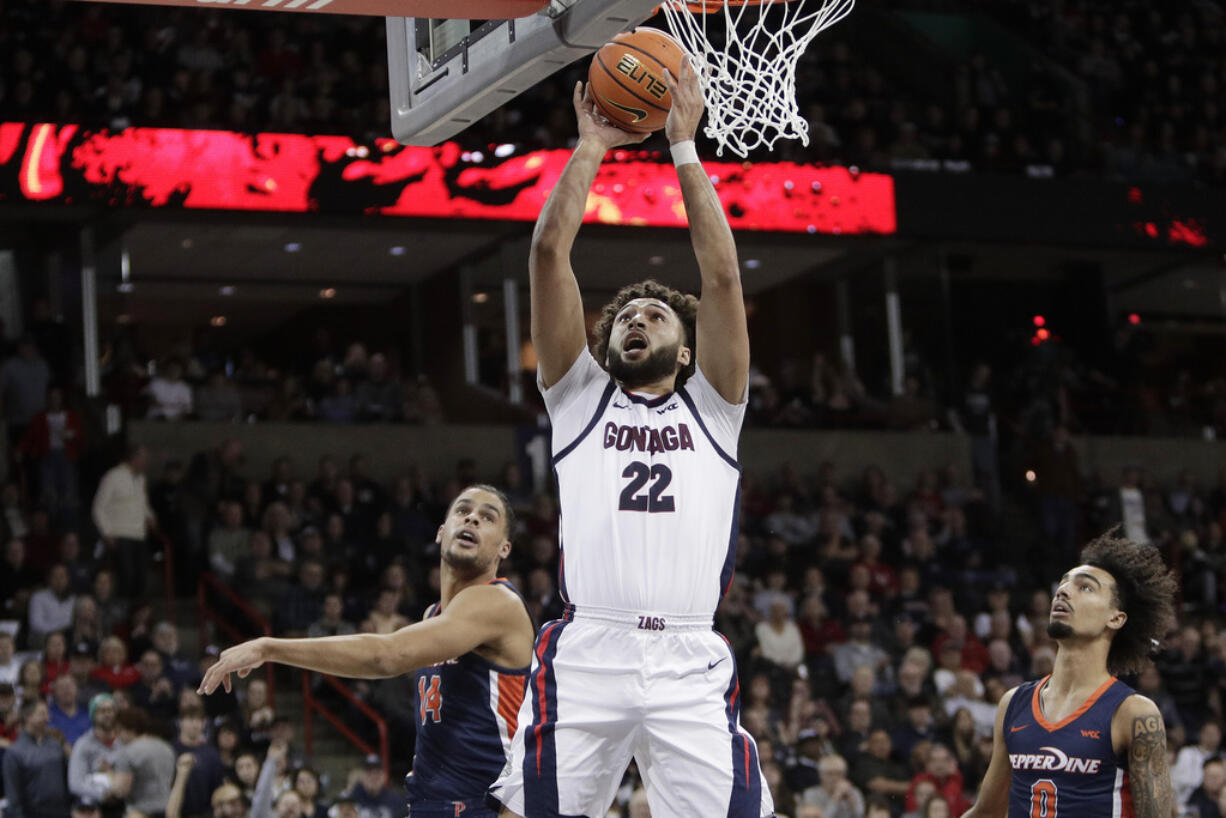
[467, 9]
[293, 173]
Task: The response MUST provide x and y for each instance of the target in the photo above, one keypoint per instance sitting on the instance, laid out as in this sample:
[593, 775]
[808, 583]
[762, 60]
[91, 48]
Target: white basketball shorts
[607, 686]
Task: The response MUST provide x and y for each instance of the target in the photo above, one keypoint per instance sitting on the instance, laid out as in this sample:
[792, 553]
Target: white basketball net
[750, 88]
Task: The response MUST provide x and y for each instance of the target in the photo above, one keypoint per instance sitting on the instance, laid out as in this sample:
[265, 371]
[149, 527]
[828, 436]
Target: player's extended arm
[558, 330]
[723, 334]
[993, 799]
[1149, 772]
[476, 616]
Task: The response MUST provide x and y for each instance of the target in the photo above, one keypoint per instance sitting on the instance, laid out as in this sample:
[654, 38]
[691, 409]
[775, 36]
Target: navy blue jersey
[467, 712]
[1068, 768]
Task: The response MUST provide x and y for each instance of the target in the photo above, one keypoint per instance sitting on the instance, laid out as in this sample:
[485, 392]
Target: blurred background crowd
[875, 624]
[1125, 91]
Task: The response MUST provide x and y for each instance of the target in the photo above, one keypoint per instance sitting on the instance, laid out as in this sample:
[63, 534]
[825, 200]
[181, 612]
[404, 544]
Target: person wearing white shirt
[122, 514]
[1189, 768]
[10, 662]
[172, 397]
[778, 637]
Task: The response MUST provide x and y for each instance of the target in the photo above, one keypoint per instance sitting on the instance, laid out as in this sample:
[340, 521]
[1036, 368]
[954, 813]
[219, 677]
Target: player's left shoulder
[1137, 718]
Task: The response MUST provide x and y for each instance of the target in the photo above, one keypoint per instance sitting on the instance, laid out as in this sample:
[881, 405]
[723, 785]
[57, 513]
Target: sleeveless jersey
[1069, 768]
[648, 491]
[467, 712]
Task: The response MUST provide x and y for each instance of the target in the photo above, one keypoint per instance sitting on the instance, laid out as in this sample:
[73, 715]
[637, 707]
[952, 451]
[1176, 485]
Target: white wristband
[684, 153]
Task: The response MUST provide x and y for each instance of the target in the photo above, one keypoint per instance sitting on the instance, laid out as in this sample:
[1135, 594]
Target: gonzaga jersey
[467, 714]
[649, 493]
[1067, 768]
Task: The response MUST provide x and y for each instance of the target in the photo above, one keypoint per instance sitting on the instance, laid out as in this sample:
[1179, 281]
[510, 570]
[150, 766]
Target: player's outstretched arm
[1149, 774]
[558, 330]
[993, 798]
[481, 615]
[723, 335]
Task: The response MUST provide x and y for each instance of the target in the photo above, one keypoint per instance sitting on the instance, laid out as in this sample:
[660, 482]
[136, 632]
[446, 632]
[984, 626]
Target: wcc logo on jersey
[1053, 759]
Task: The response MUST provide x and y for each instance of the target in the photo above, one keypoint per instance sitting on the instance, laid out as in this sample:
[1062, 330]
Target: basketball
[627, 78]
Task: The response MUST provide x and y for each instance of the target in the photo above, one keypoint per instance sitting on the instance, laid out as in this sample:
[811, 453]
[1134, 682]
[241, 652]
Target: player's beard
[1059, 630]
[465, 564]
[660, 364]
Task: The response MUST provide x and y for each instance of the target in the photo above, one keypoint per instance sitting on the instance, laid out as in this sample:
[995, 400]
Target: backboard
[445, 74]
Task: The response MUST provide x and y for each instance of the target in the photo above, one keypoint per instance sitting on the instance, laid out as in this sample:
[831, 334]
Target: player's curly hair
[1144, 589]
[686, 307]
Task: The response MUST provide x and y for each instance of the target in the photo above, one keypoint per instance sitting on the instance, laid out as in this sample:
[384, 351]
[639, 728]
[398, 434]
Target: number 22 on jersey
[431, 698]
[654, 500]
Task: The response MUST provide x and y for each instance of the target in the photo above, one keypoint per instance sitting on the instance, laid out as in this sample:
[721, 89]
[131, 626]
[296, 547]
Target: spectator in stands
[303, 602]
[122, 515]
[113, 668]
[30, 681]
[836, 796]
[257, 713]
[331, 621]
[306, 784]
[218, 400]
[1058, 483]
[170, 396]
[941, 769]
[374, 798]
[144, 765]
[919, 727]
[208, 773]
[16, 580]
[65, 711]
[94, 753]
[384, 618]
[779, 639]
[1205, 801]
[155, 693]
[54, 441]
[55, 660]
[1187, 772]
[876, 773]
[34, 767]
[24, 379]
[859, 650]
[10, 665]
[1185, 673]
[51, 608]
[379, 397]
[228, 543]
[182, 671]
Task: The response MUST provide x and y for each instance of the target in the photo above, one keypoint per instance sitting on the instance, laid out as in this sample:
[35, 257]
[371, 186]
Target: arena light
[1031, 476]
[327, 293]
[217, 321]
[1134, 319]
[1040, 321]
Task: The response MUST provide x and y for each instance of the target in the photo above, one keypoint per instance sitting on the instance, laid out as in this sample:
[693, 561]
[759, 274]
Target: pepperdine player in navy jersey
[1080, 743]
[471, 654]
[644, 437]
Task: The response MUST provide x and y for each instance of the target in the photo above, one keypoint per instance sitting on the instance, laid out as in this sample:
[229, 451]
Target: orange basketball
[627, 78]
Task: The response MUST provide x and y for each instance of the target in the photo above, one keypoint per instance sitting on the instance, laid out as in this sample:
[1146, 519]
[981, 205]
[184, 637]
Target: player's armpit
[993, 799]
[1149, 771]
[475, 617]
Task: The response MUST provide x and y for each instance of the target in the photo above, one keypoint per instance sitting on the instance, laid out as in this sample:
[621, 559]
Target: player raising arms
[644, 443]
[471, 653]
[1080, 742]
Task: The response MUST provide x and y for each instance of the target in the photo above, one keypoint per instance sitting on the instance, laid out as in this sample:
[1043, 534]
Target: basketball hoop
[750, 81]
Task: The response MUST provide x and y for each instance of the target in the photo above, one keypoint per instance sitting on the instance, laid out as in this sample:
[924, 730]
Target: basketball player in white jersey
[644, 447]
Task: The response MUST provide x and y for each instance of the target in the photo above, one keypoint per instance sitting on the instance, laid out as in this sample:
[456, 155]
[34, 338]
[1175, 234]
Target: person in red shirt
[974, 655]
[113, 668]
[941, 769]
[817, 631]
